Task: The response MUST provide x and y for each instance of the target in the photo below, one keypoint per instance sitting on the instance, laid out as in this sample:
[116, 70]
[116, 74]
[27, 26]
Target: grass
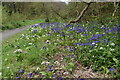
[57, 50]
[17, 24]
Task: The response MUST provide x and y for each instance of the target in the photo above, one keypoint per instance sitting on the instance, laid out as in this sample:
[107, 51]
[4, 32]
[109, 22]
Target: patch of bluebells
[91, 40]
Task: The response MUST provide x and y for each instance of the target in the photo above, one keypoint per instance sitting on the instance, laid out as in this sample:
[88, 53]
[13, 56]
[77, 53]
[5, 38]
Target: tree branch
[81, 14]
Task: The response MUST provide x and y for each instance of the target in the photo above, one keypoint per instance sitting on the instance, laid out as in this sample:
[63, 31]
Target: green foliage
[56, 47]
[38, 46]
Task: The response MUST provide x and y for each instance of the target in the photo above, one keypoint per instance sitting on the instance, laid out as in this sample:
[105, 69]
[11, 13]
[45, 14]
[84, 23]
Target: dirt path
[7, 33]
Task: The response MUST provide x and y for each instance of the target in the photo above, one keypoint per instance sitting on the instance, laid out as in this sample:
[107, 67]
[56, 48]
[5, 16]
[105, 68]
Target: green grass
[37, 49]
[17, 24]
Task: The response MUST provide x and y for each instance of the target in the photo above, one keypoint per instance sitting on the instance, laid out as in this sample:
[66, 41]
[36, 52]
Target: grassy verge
[58, 50]
[17, 24]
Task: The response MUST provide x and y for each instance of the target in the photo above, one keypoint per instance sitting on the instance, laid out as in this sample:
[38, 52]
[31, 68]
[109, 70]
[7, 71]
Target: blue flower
[67, 47]
[95, 41]
[50, 68]
[71, 50]
[35, 30]
[82, 79]
[30, 75]
[103, 34]
[105, 40]
[53, 76]
[76, 43]
[69, 35]
[21, 71]
[20, 51]
[85, 34]
[88, 39]
[17, 77]
[70, 29]
[36, 25]
[60, 78]
[111, 69]
[67, 56]
[66, 26]
[63, 34]
[43, 47]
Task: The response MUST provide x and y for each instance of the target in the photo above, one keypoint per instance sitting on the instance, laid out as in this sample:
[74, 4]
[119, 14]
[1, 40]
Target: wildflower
[60, 78]
[43, 47]
[53, 76]
[18, 77]
[93, 43]
[82, 79]
[34, 35]
[85, 34]
[88, 39]
[67, 56]
[18, 50]
[67, 47]
[35, 30]
[112, 49]
[95, 46]
[21, 71]
[105, 40]
[96, 41]
[71, 50]
[50, 68]
[76, 43]
[30, 75]
[69, 35]
[113, 36]
[63, 34]
[47, 42]
[112, 44]
[45, 62]
[36, 25]
[101, 48]
[111, 69]
[70, 29]
[103, 34]
[67, 26]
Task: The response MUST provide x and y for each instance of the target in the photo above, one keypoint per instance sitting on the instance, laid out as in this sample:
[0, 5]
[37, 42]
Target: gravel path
[7, 33]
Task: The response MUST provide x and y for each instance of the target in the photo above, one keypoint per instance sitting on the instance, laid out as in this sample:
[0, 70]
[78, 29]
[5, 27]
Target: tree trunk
[81, 14]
